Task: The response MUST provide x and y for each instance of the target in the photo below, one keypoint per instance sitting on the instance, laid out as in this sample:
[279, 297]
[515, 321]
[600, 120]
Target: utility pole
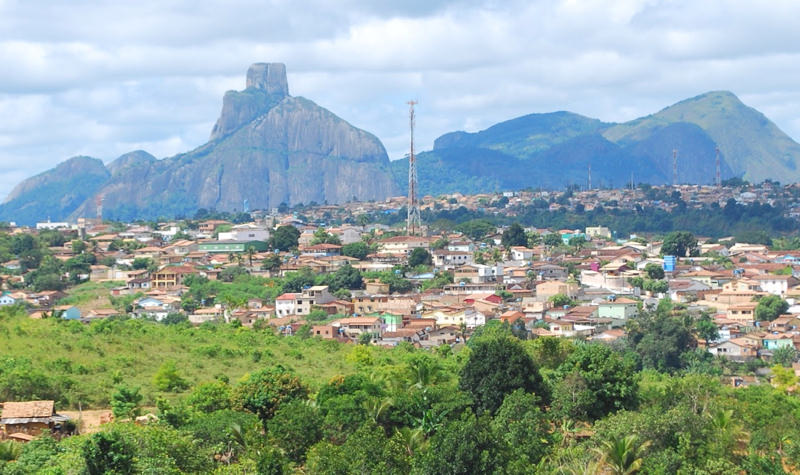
[675, 167]
[414, 221]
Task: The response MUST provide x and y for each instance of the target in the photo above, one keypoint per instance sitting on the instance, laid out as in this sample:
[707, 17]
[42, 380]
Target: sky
[102, 78]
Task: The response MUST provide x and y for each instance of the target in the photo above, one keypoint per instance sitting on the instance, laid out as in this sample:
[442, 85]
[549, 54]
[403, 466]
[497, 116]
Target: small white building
[285, 304]
[245, 232]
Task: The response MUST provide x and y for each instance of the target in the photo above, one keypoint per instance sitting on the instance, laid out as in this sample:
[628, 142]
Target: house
[285, 304]
[375, 286]
[30, 418]
[737, 349]
[403, 244]
[7, 299]
[775, 284]
[618, 309]
[69, 312]
[326, 332]
[446, 335]
[521, 253]
[598, 231]
[171, 276]
[245, 232]
[156, 307]
[743, 312]
[353, 327]
[449, 259]
[305, 301]
[229, 246]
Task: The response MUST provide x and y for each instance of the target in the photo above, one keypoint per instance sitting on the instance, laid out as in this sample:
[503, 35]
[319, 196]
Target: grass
[90, 295]
[84, 363]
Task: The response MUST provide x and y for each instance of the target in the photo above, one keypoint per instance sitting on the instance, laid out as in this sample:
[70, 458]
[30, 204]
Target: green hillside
[75, 363]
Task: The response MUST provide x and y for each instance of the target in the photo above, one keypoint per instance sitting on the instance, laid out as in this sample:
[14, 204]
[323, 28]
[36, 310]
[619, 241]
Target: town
[352, 276]
[366, 281]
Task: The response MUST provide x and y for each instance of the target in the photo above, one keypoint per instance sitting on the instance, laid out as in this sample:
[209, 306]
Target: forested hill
[555, 150]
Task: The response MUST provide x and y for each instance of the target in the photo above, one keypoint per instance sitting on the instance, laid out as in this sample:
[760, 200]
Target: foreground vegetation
[236, 400]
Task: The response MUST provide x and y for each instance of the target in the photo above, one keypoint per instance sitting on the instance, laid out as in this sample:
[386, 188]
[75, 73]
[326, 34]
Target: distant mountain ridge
[267, 147]
[555, 150]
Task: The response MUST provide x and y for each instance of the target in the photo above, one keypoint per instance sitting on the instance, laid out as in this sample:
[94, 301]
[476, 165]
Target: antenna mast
[98, 201]
[590, 175]
[414, 221]
[719, 175]
[675, 167]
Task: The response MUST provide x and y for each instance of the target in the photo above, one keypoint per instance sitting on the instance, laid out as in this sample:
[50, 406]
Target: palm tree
[250, 252]
[622, 456]
[412, 439]
[10, 450]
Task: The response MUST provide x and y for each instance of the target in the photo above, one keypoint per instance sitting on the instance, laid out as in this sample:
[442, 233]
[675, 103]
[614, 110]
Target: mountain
[555, 150]
[267, 147]
[55, 193]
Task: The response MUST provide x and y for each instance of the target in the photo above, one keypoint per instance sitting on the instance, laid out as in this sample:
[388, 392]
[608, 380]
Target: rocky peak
[266, 87]
[270, 77]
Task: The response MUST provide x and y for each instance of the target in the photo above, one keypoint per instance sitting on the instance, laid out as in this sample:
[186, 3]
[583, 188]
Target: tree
[108, 452]
[271, 262]
[770, 307]
[359, 250]
[706, 329]
[784, 356]
[347, 277]
[295, 428]
[660, 339]
[622, 456]
[560, 300]
[210, 397]
[168, 379]
[680, 244]
[125, 402]
[263, 392]
[514, 236]
[654, 271]
[419, 257]
[522, 425]
[78, 246]
[497, 367]
[593, 382]
[284, 238]
[552, 240]
[323, 237]
[470, 445]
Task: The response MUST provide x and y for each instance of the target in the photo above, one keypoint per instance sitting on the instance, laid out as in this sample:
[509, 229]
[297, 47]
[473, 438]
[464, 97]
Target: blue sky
[102, 78]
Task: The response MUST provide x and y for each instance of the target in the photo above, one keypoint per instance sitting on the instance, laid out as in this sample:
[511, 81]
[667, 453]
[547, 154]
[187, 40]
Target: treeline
[652, 403]
[712, 221]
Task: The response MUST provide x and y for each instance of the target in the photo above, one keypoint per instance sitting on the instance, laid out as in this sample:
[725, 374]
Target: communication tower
[719, 175]
[414, 221]
[98, 201]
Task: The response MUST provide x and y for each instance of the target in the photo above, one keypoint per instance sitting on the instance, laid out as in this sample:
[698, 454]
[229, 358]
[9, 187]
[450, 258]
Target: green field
[77, 363]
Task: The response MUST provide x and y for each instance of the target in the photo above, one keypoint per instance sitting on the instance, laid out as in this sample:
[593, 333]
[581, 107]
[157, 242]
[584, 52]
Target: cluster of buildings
[582, 291]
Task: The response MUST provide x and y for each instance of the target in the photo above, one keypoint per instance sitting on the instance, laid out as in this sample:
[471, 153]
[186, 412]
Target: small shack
[30, 418]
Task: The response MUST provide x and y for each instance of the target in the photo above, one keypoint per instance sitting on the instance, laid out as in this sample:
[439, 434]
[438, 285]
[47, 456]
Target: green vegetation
[499, 405]
[75, 363]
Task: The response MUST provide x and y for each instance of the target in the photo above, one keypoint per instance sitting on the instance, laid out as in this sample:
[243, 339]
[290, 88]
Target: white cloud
[104, 77]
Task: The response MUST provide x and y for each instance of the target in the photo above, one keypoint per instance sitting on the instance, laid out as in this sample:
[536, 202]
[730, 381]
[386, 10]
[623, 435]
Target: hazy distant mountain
[267, 147]
[555, 150]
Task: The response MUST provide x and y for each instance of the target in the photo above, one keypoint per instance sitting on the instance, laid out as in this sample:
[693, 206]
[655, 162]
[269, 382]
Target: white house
[245, 232]
[775, 284]
[285, 304]
[6, 299]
